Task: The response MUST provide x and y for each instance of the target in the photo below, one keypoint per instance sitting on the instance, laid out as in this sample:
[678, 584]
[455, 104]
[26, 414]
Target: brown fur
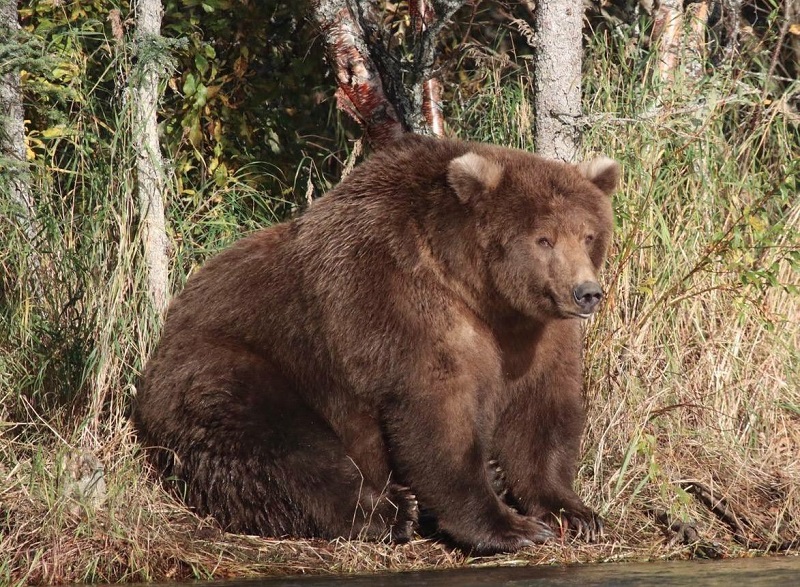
[320, 376]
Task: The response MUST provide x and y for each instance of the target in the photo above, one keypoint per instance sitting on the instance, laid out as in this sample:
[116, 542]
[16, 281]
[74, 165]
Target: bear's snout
[587, 295]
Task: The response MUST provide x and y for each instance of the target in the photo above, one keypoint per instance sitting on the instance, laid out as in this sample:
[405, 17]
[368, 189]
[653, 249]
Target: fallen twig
[686, 533]
[736, 522]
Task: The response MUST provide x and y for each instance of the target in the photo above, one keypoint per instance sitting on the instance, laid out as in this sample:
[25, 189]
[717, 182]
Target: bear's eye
[545, 242]
[589, 239]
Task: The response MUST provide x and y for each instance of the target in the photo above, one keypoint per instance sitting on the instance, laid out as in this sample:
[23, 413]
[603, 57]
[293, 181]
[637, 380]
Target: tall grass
[694, 362]
[691, 366]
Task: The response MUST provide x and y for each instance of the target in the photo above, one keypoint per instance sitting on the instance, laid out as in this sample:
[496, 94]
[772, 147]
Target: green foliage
[695, 352]
[79, 147]
[244, 87]
[249, 89]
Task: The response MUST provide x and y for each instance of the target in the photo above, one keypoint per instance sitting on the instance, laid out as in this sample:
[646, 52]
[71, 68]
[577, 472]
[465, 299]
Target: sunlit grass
[694, 358]
[691, 365]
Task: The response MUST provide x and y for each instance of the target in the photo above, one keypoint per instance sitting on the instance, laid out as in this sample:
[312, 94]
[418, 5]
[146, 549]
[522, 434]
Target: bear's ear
[602, 172]
[471, 174]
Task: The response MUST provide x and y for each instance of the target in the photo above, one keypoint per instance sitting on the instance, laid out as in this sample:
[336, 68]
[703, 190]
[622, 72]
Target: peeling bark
[422, 15]
[432, 106]
[149, 163]
[360, 91]
[388, 89]
[557, 86]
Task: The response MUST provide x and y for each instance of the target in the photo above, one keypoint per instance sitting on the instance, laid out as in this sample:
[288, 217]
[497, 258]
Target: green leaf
[189, 85]
[201, 95]
[53, 132]
[201, 63]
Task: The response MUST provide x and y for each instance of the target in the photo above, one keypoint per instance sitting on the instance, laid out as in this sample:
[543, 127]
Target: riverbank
[692, 381]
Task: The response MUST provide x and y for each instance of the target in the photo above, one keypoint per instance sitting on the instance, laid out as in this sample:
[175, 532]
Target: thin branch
[738, 524]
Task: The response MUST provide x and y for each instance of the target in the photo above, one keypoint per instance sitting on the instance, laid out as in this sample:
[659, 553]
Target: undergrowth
[692, 364]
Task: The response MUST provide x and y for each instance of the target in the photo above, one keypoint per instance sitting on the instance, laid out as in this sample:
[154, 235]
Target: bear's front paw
[407, 517]
[578, 520]
[396, 515]
[515, 532]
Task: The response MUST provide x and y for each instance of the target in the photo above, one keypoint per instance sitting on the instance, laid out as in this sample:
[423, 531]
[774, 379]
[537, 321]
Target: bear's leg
[537, 440]
[438, 450]
[247, 450]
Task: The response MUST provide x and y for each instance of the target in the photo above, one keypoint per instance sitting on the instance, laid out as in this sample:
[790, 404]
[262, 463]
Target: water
[768, 571]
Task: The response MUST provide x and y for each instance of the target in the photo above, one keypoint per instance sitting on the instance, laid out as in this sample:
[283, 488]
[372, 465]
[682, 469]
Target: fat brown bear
[339, 373]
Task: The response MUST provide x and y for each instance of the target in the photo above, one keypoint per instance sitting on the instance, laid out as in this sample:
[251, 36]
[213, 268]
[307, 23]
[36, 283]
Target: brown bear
[338, 373]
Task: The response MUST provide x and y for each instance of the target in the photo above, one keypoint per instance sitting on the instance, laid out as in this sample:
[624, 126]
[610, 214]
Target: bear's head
[543, 227]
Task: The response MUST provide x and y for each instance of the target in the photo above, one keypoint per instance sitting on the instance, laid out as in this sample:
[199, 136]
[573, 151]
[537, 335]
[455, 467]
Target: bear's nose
[587, 295]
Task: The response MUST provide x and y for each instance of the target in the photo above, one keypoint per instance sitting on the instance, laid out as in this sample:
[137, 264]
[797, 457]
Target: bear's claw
[406, 517]
[497, 479]
[587, 526]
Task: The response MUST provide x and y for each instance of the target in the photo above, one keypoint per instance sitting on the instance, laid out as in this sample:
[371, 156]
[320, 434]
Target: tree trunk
[360, 91]
[697, 15]
[666, 36]
[149, 163]
[557, 86]
[792, 10]
[389, 88]
[423, 16]
[12, 133]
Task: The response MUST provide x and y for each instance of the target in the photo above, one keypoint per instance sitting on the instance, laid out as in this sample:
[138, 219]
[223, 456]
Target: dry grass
[692, 380]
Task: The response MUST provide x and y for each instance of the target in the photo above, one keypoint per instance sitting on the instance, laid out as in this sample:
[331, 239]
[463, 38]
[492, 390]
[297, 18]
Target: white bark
[149, 163]
[361, 92]
[389, 90]
[666, 36]
[12, 132]
[557, 87]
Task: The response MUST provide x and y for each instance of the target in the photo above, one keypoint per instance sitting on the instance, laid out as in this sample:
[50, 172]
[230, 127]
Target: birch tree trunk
[360, 92]
[12, 132]
[557, 86]
[149, 163]
[389, 88]
[666, 36]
